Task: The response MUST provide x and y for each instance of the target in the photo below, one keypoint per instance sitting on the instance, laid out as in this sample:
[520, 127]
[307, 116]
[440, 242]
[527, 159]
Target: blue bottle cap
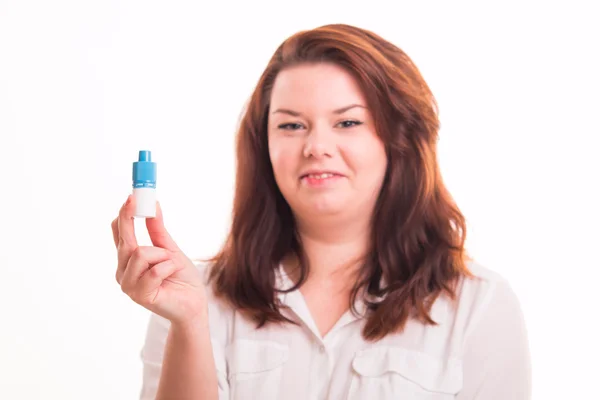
[144, 171]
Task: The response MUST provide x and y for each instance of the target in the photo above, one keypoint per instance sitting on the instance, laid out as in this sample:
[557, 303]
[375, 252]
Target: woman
[344, 275]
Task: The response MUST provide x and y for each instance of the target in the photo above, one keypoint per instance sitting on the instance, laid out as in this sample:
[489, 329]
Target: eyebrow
[297, 114]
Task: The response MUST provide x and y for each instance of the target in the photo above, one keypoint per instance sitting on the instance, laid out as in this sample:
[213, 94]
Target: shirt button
[322, 349]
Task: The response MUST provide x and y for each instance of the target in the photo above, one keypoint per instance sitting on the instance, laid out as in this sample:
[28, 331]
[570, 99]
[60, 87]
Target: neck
[334, 250]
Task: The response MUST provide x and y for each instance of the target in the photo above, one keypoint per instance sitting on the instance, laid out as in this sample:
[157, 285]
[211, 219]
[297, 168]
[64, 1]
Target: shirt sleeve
[496, 358]
[152, 354]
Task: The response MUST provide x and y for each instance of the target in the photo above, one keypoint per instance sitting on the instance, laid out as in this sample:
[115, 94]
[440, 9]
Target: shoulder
[486, 297]
[483, 284]
[492, 338]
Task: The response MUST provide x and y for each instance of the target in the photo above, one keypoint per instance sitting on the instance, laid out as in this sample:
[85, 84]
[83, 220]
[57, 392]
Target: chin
[325, 208]
[324, 205]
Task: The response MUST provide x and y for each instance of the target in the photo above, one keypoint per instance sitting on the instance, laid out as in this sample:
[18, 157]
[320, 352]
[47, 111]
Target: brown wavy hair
[418, 233]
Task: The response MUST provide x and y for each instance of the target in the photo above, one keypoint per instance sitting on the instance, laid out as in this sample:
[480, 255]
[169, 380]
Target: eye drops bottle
[144, 185]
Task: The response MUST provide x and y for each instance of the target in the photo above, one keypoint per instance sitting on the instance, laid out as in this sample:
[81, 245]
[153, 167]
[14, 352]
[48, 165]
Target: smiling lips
[320, 178]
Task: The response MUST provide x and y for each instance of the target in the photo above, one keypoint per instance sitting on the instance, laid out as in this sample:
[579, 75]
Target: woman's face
[325, 152]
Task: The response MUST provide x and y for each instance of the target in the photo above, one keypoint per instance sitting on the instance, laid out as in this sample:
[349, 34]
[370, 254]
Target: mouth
[317, 179]
[320, 175]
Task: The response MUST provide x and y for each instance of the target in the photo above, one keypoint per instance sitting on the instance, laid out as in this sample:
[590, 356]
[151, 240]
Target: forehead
[315, 86]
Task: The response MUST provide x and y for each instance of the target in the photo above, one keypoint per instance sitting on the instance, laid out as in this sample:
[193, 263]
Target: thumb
[158, 233]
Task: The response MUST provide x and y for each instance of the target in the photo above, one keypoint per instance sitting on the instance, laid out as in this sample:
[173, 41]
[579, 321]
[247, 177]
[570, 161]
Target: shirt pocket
[255, 368]
[398, 373]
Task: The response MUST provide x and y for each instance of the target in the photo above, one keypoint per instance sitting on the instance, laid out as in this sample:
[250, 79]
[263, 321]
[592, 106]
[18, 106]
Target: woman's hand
[160, 278]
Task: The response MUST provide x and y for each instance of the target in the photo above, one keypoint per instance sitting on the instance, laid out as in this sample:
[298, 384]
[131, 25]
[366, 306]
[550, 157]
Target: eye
[349, 123]
[290, 126]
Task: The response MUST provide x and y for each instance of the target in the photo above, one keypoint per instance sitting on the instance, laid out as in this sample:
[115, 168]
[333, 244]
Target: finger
[127, 242]
[143, 258]
[158, 233]
[125, 223]
[151, 280]
[115, 231]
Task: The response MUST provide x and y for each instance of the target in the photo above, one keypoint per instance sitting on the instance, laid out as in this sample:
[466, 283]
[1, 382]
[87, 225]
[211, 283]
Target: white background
[84, 85]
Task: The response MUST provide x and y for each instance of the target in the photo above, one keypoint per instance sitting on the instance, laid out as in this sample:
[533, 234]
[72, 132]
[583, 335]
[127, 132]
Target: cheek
[282, 158]
[368, 160]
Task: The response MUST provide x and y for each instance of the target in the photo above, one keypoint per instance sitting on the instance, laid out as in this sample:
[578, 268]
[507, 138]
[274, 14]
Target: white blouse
[479, 351]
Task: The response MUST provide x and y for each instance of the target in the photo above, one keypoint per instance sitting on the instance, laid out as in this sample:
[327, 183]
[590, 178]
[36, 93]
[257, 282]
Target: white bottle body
[145, 202]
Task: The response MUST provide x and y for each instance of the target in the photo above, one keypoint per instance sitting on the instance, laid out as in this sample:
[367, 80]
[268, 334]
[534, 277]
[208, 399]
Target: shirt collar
[438, 311]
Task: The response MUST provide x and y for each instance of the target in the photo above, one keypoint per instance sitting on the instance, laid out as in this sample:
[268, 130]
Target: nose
[319, 144]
